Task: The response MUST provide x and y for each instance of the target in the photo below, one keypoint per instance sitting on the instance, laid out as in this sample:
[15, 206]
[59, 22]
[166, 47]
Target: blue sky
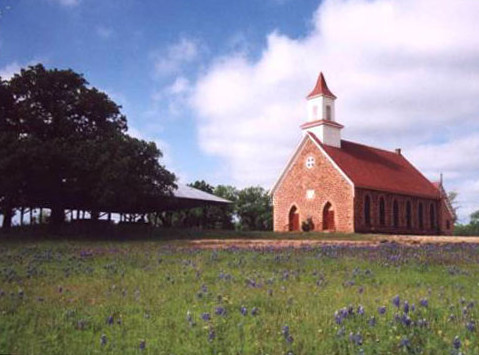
[220, 85]
[116, 45]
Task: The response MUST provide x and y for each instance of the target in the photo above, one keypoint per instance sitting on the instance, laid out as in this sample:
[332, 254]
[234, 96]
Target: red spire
[321, 88]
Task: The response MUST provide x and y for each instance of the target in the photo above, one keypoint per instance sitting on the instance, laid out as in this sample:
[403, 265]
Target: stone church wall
[440, 218]
[328, 185]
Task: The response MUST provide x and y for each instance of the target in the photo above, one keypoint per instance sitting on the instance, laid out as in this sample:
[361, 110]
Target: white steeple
[321, 115]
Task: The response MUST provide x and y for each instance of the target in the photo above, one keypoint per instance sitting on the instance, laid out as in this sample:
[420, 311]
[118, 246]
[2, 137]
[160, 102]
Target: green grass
[150, 285]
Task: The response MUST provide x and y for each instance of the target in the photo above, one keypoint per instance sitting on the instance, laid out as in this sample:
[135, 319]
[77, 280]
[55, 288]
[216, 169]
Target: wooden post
[40, 218]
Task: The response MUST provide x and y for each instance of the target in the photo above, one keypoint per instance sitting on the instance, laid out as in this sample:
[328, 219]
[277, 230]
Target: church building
[333, 184]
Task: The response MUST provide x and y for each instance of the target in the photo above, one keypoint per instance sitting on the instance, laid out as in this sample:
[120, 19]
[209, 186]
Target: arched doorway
[293, 219]
[328, 217]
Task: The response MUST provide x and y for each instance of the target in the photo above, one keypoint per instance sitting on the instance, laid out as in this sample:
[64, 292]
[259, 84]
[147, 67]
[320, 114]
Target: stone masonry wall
[328, 185]
[388, 227]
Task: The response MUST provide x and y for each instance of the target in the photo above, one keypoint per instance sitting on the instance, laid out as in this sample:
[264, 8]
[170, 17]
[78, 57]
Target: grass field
[159, 297]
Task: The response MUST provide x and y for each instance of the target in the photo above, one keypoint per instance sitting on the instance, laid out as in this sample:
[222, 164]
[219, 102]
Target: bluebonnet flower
[372, 321]
[254, 311]
[289, 339]
[382, 310]
[204, 288]
[405, 343]
[396, 301]
[406, 307]
[142, 345]
[471, 326]
[110, 320]
[103, 340]
[206, 316]
[244, 311]
[220, 311]
[341, 331]
[413, 307]
[406, 320]
[357, 339]
[285, 331]
[424, 302]
[360, 310]
[211, 334]
[456, 342]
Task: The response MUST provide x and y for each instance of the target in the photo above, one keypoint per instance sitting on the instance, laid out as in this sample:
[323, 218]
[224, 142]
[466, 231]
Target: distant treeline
[251, 209]
[469, 229]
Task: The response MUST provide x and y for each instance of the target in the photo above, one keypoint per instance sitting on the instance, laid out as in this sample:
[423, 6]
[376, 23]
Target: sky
[220, 86]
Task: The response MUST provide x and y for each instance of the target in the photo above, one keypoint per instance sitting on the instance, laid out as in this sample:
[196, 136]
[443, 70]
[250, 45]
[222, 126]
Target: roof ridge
[370, 146]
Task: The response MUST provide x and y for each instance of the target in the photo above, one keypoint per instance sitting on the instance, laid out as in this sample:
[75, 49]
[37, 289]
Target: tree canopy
[64, 144]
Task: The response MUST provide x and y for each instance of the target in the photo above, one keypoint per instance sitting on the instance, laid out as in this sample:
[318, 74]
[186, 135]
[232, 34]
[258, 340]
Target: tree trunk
[94, 215]
[7, 219]
[58, 215]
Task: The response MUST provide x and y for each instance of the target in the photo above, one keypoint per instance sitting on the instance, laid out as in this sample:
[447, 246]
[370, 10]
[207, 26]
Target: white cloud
[171, 60]
[104, 32]
[406, 73]
[9, 70]
[68, 3]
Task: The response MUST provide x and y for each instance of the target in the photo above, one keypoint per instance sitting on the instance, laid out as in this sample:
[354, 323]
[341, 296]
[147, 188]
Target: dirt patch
[302, 243]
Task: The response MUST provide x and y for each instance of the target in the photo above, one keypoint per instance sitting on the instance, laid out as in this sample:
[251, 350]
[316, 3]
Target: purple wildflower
[357, 339]
[206, 317]
[456, 342]
[244, 311]
[254, 311]
[110, 320]
[289, 339]
[211, 334]
[220, 311]
[103, 340]
[471, 326]
[382, 310]
[360, 310]
[142, 345]
[372, 321]
[396, 301]
[424, 302]
[405, 343]
[285, 331]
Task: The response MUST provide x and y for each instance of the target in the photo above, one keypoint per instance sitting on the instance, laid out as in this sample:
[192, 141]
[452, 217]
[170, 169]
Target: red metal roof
[321, 88]
[379, 169]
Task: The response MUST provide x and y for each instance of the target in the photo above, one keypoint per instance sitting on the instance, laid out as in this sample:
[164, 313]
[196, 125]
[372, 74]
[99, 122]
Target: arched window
[367, 210]
[408, 214]
[328, 112]
[382, 212]
[395, 214]
[420, 215]
[432, 216]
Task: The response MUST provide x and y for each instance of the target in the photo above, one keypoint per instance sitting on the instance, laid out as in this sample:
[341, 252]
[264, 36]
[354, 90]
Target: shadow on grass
[132, 232]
